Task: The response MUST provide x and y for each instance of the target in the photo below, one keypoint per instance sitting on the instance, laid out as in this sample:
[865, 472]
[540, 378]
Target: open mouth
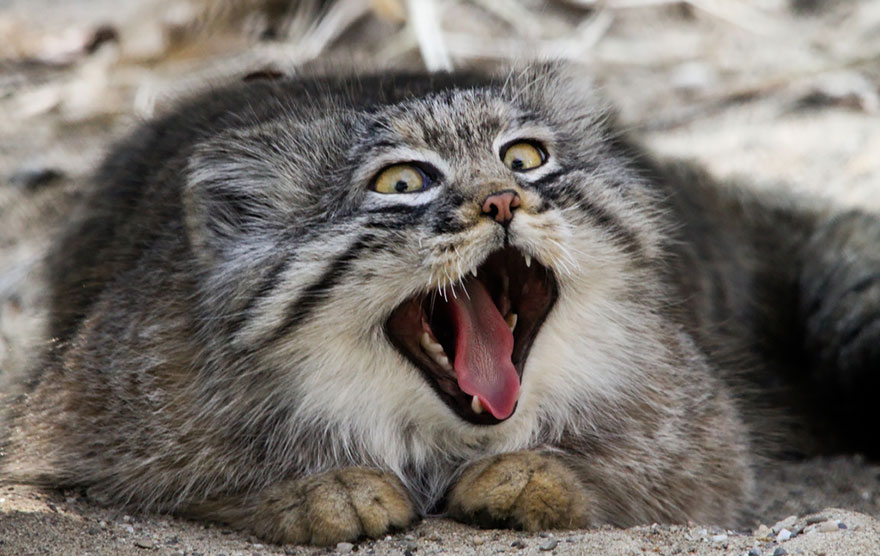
[472, 343]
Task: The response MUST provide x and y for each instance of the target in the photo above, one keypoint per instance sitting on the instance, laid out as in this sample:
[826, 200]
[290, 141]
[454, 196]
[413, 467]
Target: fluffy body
[219, 305]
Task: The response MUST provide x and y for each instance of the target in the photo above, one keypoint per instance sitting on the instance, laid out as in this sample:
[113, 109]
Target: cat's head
[461, 258]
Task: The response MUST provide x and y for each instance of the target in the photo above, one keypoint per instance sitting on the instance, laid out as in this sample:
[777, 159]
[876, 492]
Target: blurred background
[782, 92]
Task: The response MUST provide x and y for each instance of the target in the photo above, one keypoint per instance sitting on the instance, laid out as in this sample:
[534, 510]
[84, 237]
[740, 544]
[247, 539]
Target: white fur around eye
[378, 200]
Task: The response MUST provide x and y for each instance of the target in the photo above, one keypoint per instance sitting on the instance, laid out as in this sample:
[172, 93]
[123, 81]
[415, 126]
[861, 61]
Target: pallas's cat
[319, 308]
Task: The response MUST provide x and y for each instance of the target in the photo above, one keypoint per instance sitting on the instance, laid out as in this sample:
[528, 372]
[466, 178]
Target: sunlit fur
[220, 317]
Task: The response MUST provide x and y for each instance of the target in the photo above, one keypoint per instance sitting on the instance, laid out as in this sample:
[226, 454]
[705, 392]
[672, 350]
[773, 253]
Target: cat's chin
[471, 342]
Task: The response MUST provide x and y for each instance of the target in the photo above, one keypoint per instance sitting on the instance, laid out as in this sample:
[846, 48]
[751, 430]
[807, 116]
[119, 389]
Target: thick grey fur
[218, 305]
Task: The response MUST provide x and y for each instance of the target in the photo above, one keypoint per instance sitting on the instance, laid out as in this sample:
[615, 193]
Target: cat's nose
[500, 206]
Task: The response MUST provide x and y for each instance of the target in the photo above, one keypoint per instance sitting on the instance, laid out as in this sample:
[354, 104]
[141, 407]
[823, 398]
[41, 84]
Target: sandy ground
[788, 98]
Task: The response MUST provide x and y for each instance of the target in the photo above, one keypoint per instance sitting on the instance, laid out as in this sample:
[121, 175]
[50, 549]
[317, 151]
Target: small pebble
[842, 525]
[719, 538]
[518, 544]
[763, 532]
[780, 551]
[814, 519]
[129, 529]
[126, 518]
[549, 544]
[783, 535]
[755, 552]
[829, 526]
[344, 547]
[143, 543]
[786, 523]
[478, 540]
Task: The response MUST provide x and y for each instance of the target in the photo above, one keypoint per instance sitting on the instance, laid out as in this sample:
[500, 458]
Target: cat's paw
[332, 507]
[526, 490]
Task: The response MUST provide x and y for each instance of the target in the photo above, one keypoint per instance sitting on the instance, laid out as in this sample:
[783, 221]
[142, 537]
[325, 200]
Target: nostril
[500, 205]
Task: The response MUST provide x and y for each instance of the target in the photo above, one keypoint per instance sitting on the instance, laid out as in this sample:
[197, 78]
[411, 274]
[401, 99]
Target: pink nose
[500, 206]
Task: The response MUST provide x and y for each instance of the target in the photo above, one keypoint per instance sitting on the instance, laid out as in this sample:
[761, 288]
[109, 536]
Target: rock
[719, 538]
[549, 544]
[344, 547]
[144, 543]
[763, 532]
[786, 523]
[478, 540]
[829, 526]
[842, 525]
[783, 535]
[818, 518]
[518, 544]
[755, 552]
[780, 551]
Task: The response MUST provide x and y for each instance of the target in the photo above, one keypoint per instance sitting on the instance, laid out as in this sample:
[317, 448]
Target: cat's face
[453, 270]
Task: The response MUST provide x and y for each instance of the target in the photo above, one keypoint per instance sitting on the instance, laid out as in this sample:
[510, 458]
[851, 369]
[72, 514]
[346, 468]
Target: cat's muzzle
[471, 339]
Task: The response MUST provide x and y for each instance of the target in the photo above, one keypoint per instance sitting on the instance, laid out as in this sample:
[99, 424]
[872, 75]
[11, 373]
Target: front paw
[331, 507]
[526, 490]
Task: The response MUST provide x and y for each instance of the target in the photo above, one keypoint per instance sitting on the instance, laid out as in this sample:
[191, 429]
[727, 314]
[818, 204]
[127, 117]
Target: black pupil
[401, 186]
[517, 164]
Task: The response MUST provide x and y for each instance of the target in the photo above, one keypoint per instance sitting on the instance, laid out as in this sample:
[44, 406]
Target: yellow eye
[401, 178]
[523, 156]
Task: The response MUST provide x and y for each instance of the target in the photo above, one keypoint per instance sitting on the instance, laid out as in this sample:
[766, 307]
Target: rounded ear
[241, 189]
[565, 90]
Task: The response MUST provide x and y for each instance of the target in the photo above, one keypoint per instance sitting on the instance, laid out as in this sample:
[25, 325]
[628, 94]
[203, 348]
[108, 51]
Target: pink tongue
[483, 346]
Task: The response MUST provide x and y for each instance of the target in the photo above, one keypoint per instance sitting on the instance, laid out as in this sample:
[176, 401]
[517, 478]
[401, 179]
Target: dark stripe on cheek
[416, 211]
[543, 181]
[266, 286]
[601, 217]
[301, 309]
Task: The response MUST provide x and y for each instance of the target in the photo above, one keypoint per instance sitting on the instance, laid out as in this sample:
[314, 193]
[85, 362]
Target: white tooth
[528, 260]
[443, 361]
[430, 345]
[474, 272]
[511, 321]
[476, 405]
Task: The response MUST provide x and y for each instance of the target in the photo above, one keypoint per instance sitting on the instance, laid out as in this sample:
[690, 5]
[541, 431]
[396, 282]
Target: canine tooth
[528, 260]
[511, 321]
[474, 272]
[430, 345]
[476, 405]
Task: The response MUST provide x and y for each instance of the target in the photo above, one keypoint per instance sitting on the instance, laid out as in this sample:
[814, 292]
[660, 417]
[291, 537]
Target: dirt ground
[784, 94]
